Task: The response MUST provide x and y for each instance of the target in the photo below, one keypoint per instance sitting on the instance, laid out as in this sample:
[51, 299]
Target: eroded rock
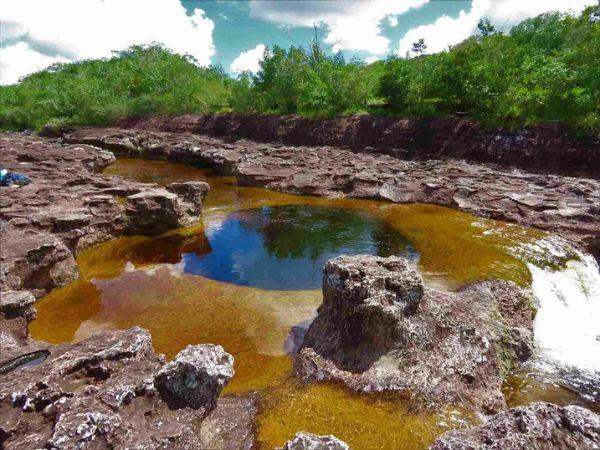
[100, 393]
[309, 441]
[453, 348]
[195, 377]
[538, 426]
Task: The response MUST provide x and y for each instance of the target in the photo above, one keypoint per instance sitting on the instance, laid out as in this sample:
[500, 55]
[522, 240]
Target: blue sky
[37, 33]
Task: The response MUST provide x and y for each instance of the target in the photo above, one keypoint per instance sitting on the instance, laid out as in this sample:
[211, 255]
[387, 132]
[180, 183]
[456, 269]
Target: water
[205, 284]
[286, 247]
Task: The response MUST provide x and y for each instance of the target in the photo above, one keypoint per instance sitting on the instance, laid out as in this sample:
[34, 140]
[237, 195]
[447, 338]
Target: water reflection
[286, 247]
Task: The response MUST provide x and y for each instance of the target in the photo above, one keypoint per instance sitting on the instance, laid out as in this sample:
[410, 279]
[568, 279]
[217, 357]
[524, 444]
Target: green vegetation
[545, 69]
[142, 80]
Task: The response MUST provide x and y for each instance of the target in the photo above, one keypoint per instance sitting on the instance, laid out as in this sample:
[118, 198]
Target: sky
[37, 33]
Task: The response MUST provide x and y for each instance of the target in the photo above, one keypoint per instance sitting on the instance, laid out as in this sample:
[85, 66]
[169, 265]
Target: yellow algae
[364, 421]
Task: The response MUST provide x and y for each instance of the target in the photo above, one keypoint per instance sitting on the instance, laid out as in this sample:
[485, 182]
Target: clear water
[285, 247]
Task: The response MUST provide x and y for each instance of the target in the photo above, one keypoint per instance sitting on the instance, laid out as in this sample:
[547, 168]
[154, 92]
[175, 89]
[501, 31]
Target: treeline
[545, 69]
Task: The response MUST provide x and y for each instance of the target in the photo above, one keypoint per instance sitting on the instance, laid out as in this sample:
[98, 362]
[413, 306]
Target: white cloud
[81, 29]
[503, 14]
[248, 60]
[351, 24]
[20, 59]
[393, 21]
[371, 59]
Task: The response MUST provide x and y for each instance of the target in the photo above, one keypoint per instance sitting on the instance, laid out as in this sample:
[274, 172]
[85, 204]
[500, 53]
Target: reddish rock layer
[545, 148]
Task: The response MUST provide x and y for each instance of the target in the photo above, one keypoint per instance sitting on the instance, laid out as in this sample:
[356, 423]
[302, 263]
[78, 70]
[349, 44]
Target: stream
[249, 278]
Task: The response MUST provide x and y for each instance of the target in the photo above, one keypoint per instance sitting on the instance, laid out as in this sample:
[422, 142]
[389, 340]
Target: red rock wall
[544, 148]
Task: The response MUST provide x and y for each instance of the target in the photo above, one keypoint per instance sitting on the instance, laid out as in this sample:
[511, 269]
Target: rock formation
[309, 441]
[108, 391]
[538, 426]
[69, 206]
[378, 329]
[568, 206]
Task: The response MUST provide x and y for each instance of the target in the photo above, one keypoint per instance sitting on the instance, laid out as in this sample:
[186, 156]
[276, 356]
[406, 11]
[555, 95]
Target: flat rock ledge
[309, 441]
[538, 426]
[108, 391]
[69, 206]
[378, 329]
[564, 205]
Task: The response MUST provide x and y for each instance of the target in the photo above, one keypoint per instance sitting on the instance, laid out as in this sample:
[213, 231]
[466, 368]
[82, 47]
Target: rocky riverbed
[379, 328]
[564, 205]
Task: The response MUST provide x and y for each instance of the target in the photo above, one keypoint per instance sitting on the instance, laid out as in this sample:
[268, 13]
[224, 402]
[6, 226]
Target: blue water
[286, 247]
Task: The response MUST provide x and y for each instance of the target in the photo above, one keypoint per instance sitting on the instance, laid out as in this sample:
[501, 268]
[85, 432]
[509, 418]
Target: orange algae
[139, 281]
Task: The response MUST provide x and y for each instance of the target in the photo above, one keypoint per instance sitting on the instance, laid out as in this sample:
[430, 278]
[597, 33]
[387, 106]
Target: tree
[419, 47]
[485, 27]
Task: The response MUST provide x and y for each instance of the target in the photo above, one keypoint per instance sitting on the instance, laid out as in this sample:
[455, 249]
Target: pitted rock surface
[310, 441]
[454, 348]
[561, 204]
[70, 206]
[538, 426]
[195, 377]
[99, 393]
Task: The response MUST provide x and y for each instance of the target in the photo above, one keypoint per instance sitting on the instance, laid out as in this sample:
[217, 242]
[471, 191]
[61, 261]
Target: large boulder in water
[309, 441]
[378, 329]
[195, 377]
[538, 426]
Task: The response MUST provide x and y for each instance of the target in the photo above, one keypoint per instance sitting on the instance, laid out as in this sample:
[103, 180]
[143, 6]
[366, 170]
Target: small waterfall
[567, 324]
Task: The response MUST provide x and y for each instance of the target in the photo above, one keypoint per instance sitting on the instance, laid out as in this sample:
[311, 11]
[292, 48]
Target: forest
[544, 69]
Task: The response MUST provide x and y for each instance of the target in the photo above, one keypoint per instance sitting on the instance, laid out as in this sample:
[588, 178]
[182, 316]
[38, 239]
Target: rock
[17, 304]
[69, 207]
[192, 194]
[555, 203]
[363, 298]
[453, 348]
[542, 426]
[195, 377]
[100, 393]
[153, 212]
[309, 441]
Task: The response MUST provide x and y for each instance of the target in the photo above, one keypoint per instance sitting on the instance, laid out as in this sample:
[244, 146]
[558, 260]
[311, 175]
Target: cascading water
[567, 324]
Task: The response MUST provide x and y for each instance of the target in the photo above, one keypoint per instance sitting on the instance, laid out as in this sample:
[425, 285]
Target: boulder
[378, 329]
[364, 297]
[308, 441]
[195, 377]
[538, 426]
[100, 393]
[17, 304]
[192, 194]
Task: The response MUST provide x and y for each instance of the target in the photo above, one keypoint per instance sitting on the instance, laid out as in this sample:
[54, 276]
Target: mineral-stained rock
[309, 441]
[195, 377]
[538, 426]
[100, 393]
[17, 303]
[68, 206]
[363, 299]
[555, 203]
[452, 347]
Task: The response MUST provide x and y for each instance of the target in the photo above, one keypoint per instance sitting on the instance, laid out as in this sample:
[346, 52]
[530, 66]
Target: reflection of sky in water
[286, 247]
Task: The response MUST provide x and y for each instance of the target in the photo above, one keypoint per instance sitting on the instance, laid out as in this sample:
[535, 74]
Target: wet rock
[230, 425]
[192, 194]
[100, 393]
[364, 297]
[555, 203]
[542, 426]
[69, 207]
[309, 441]
[453, 348]
[17, 304]
[195, 377]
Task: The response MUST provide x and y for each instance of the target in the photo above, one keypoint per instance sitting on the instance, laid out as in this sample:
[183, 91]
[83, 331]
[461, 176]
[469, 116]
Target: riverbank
[259, 162]
[563, 205]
